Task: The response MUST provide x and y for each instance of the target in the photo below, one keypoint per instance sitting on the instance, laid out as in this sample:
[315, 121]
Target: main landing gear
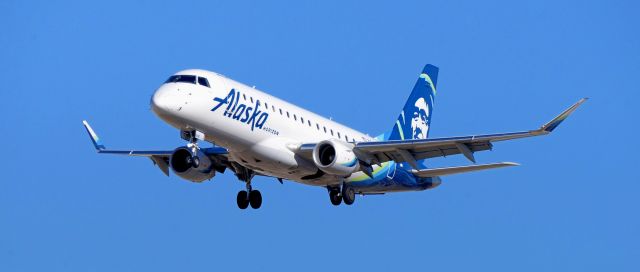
[250, 196]
[346, 194]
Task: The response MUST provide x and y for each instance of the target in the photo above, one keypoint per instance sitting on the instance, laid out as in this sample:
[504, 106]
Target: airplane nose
[161, 101]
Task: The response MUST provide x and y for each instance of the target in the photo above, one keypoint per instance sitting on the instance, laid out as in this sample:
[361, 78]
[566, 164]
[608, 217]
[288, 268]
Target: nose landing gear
[192, 136]
[194, 161]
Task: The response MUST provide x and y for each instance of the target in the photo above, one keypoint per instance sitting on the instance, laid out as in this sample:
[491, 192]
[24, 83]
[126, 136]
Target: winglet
[551, 125]
[94, 137]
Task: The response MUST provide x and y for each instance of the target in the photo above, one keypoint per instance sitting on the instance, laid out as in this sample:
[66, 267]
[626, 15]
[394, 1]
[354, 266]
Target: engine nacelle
[180, 163]
[335, 157]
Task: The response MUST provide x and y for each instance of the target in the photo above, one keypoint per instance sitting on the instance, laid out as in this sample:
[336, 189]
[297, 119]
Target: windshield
[203, 81]
[182, 78]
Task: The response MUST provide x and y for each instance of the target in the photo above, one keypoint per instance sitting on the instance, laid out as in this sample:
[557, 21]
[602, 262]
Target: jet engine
[335, 157]
[193, 167]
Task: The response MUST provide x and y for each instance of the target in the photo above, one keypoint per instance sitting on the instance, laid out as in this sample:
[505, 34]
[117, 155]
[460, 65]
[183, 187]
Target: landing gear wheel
[335, 197]
[243, 200]
[255, 199]
[348, 194]
[195, 161]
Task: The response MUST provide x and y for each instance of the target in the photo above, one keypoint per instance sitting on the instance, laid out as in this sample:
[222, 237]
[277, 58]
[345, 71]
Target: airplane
[255, 134]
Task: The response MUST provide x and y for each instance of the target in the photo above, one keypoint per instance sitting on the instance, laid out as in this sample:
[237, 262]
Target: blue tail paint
[415, 119]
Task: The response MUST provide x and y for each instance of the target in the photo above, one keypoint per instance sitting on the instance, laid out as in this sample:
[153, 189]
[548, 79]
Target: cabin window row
[204, 82]
[302, 120]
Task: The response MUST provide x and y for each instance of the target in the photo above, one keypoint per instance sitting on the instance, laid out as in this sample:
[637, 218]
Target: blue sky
[505, 65]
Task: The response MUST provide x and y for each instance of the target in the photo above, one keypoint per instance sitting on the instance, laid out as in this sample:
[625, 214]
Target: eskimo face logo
[419, 125]
[241, 112]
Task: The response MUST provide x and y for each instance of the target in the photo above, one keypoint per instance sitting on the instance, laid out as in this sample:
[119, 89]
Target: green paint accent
[428, 79]
[362, 176]
[400, 129]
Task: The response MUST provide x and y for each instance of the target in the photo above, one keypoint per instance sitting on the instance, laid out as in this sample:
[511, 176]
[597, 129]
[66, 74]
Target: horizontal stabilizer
[435, 172]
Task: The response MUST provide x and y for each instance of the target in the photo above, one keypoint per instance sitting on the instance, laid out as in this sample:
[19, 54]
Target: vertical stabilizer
[415, 118]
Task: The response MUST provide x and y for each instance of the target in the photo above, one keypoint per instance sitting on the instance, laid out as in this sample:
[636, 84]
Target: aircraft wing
[159, 157]
[411, 151]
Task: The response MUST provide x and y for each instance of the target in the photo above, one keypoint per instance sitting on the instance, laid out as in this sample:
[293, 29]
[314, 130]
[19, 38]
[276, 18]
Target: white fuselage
[260, 131]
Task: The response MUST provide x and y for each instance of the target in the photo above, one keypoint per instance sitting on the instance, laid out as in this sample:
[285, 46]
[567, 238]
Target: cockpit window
[182, 78]
[203, 81]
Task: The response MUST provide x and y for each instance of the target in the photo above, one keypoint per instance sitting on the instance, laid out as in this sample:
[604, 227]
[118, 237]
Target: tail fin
[415, 119]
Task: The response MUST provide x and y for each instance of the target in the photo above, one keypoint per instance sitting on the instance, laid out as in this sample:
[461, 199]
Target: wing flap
[426, 153]
[162, 162]
[436, 172]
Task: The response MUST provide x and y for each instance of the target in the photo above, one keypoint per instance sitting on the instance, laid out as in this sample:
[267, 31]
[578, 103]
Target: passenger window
[309, 121]
[301, 119]
[325, 129]
[244, 97]
[338, 134]
[280, 111]
[273, 108]
[295, 117]
[288, 115]
[266, 106]
[204, 82]
[318, 126]
[331, 132]
[346, 138]
[251, 98]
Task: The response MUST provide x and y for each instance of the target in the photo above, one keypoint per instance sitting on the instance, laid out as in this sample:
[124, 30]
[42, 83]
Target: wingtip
[551, 125]
[94, 137]
[511, 163]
